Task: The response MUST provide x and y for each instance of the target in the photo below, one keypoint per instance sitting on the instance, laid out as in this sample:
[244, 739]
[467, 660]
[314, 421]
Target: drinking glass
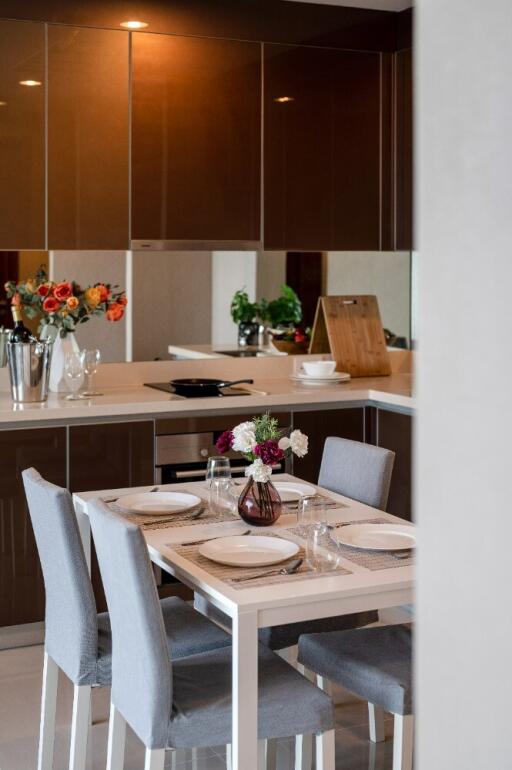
[221, 497]
[74, 374]
[322, 552]
[310, 512]
[91, 360]
[217, 468]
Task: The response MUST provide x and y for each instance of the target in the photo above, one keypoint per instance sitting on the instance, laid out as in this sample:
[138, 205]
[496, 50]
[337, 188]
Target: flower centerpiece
[62, 307]
[263, 444]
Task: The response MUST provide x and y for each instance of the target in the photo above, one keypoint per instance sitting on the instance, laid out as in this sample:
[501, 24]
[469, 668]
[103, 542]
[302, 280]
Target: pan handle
[234, 382]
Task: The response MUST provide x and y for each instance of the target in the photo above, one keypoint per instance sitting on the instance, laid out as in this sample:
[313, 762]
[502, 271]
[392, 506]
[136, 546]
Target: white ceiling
[380, 5]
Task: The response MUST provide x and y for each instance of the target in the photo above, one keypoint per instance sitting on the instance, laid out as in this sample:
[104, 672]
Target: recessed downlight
[134, 24]
[30, 83]
[3, 104]
[284, 99]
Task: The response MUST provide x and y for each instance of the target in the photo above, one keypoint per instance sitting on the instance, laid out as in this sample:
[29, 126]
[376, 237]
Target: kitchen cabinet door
[88, 138]
[319, 425]
[21, 579]
[322, 167]
[404, 150]
[22, 135]
[195, 140]
[109, 456]
[394, 431]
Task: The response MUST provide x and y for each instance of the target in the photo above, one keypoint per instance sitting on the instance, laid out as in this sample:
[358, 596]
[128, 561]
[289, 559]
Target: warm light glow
[134, 24]
[30, 83]
[3, 104]
[284, 99]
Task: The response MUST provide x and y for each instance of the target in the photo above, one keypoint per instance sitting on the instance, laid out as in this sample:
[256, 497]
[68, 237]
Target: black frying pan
[199, 387]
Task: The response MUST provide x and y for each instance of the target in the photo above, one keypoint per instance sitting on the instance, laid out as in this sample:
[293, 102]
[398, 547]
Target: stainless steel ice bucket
[29, 367]
[4, 338]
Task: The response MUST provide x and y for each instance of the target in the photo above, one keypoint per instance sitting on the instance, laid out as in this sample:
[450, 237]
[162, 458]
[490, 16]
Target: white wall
[464, 489]
[383, 273]
[231, 270]
[270, 273]
[87, 268]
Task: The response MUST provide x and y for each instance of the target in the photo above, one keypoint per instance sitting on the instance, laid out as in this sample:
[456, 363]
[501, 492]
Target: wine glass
[74, 374]
[91, 360]
[217, 468]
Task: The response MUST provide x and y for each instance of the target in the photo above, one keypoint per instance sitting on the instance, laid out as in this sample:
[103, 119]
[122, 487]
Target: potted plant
[245, 314]
[284, 315]
[263, 444]
[62, 306]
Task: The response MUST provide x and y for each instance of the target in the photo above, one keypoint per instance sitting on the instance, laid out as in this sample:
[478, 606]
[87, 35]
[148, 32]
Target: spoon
[292, 567]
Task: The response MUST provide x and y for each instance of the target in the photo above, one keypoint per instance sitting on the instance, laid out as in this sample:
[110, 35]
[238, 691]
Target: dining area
[288, 579]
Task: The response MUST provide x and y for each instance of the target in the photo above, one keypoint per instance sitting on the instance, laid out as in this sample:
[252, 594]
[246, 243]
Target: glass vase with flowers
[264, 445]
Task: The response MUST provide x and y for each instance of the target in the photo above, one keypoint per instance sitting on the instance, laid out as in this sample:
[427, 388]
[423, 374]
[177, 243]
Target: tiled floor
[20, 685]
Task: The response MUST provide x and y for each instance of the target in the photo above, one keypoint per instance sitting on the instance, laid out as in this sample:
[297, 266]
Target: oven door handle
[197, 472]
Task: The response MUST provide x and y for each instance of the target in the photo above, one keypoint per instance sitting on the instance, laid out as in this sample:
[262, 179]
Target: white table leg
[245, 691]
[48, 709]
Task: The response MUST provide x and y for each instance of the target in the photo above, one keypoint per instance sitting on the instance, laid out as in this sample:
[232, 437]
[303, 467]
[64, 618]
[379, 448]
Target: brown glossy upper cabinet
[88, 138]
[322, 156]
[22, 135]
[404, 150]
[195, 139]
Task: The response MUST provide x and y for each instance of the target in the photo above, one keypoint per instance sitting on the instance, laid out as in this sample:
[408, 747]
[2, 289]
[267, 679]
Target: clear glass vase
[259, 504]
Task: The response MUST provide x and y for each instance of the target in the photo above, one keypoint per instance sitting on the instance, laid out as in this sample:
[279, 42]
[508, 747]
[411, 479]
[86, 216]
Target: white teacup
[319, 368]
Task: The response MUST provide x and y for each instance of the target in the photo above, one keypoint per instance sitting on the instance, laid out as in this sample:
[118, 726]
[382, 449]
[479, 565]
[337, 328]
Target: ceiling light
[3, 104]
[134, 24]
[30, 83]
[284, 99]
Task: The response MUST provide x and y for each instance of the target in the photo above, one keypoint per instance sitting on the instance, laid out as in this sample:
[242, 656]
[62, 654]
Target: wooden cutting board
[350, 329]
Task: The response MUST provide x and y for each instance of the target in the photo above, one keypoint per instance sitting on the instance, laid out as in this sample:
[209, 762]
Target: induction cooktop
[168, 388]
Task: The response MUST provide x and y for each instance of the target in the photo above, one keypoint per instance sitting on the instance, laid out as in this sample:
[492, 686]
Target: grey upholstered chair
[77, 639]
[375, 664]
[359, 471]
[174, 703]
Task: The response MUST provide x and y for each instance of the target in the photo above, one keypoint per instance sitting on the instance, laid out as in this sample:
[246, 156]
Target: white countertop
[139, 401]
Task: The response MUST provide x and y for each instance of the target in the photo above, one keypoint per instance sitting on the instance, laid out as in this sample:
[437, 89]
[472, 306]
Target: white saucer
[158, 503]
[252, 551]
[330, 378]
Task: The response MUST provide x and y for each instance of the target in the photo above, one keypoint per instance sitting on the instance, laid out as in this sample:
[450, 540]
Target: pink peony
[225, 441]
[269, 452]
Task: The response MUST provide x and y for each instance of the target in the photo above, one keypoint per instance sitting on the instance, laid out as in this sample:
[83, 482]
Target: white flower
[284, 443]
[299, 443]
[260, 472]
[244, 437]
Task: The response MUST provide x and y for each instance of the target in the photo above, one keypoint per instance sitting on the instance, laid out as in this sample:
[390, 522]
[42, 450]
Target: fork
[113, 499]
[293, 567]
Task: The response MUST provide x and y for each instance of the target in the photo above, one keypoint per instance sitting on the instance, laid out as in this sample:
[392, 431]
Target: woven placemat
[228, 574]
[372, 560]
[319, 497]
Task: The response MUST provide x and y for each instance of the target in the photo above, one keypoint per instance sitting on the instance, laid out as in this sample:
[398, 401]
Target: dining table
[361, 583]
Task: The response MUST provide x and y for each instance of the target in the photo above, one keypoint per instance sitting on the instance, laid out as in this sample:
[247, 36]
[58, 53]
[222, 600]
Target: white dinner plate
[330, 378]
[291, 491]
[158, 503]
[252, 551]
[377, 537]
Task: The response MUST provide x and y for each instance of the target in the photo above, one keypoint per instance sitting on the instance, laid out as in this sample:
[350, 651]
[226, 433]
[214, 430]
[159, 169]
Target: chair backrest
[141, 665]
[71, 624]
[359, 471]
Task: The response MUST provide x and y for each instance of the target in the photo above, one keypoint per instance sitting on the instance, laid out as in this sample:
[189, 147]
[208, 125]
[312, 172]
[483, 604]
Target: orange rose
[115, 312]
[62, 291]
[123, 300]
[93, 297]
[51, 305]
[104, 292]
[72, 303]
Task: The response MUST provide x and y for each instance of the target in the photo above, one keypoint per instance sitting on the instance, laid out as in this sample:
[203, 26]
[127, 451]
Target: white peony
[284, 443]
[299, 443]
[244, 437]
[260, 472]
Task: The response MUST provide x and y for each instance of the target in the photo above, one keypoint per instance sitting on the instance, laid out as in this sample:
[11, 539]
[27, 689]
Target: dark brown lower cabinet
[319, 425]
[21, 580]
[393, 430]
[109, 456]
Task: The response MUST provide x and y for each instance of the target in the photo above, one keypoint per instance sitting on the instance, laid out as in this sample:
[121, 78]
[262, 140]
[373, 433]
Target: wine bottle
[20, 333]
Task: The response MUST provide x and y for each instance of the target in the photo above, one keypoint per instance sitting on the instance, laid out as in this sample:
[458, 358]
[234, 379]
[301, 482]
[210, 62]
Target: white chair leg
[194, 758]
[403, 741]
[229, 757]
[376, 723]
[323, 684]
[155, 759]
[116, 739]
[325, 751]
[303, 752]
[262, 755]
[48, 709]
[80, 727]
[271, 753]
